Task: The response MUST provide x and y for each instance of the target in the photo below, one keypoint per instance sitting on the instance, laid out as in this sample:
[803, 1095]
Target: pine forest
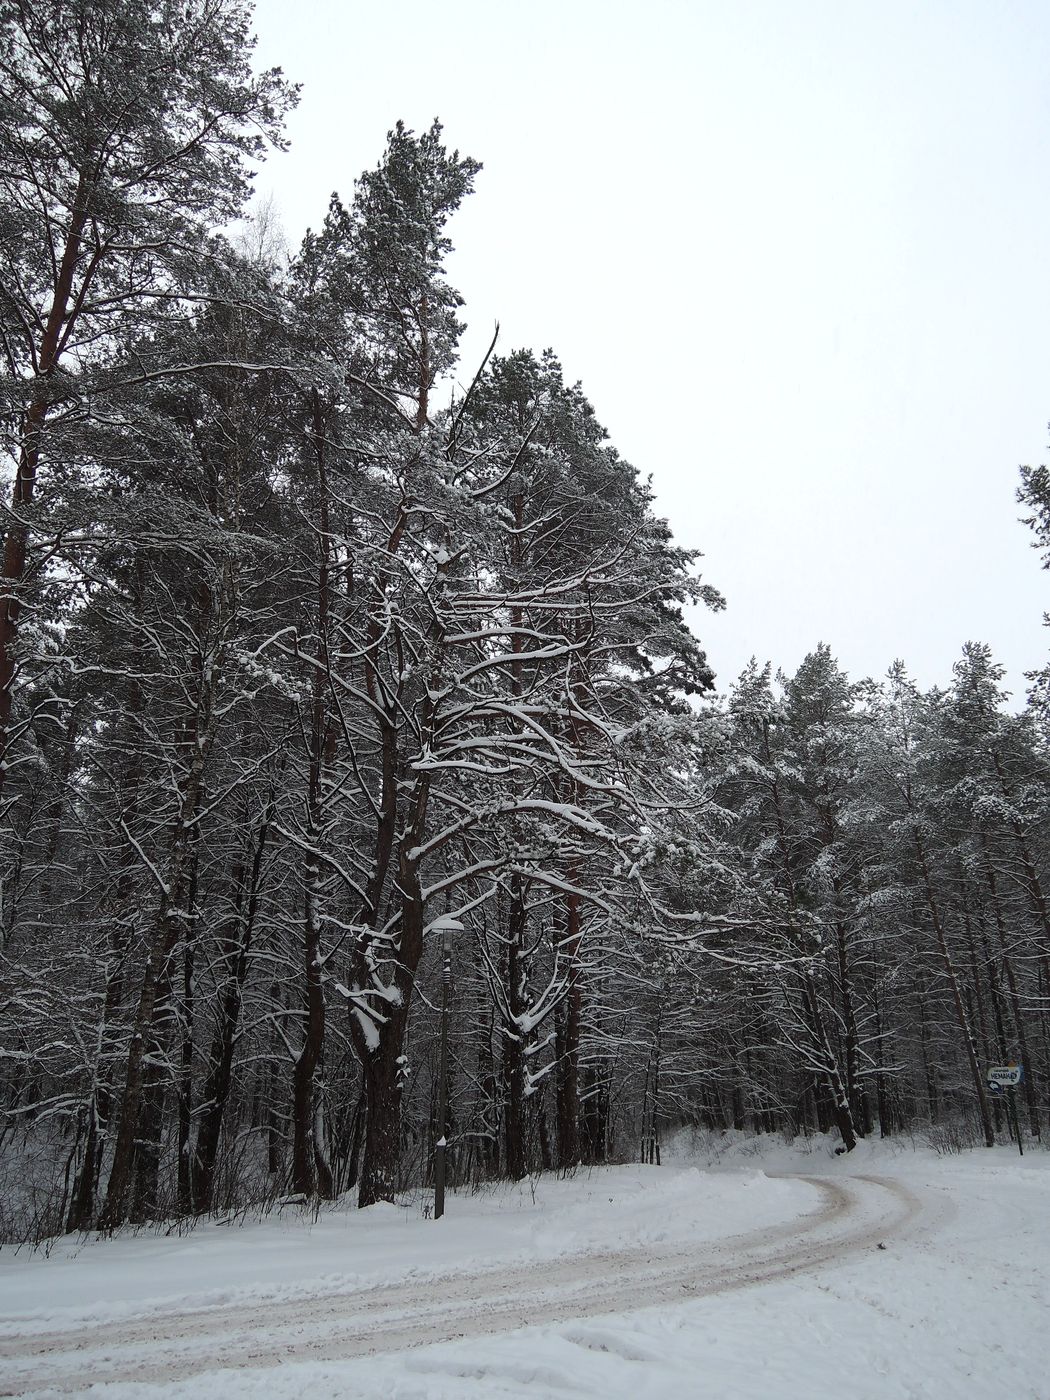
[343, 682]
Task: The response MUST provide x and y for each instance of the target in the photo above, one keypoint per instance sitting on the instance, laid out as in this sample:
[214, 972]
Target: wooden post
[442, 1113]
[444, 926]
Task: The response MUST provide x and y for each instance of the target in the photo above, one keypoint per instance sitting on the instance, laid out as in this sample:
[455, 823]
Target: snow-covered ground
[762, 1272]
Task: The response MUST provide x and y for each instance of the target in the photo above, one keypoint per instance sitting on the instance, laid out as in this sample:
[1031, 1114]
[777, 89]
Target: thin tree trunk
[1016, 1013]
[217, 1086]
[569, 1057]
[957, 999]
[513, 1037]
[166, 929]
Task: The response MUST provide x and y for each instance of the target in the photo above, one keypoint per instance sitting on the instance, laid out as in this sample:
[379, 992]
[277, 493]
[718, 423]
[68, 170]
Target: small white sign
[1005, 1075]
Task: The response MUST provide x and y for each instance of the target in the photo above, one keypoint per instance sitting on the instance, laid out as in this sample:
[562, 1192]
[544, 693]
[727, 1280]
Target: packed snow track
[850, 1214]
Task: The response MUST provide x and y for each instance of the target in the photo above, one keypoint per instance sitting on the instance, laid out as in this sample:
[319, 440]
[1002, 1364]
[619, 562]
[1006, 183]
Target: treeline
[318, 648]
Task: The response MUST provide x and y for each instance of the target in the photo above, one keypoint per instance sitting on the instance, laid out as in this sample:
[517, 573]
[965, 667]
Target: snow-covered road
[757, 1277]
[849, 1214]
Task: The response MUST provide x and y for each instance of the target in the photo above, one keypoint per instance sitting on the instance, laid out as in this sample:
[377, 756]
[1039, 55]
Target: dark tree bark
[569, 1048]
[237, 943]
[513, 1038]
[957, 999]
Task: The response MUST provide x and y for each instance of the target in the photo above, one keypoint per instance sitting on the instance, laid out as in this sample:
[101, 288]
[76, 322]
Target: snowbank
[953, 1309]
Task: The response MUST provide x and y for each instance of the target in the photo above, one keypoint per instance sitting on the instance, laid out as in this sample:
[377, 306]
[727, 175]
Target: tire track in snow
[853, 1213]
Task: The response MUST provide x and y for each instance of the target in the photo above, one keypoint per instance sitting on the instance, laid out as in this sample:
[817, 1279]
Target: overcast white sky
[797, 251]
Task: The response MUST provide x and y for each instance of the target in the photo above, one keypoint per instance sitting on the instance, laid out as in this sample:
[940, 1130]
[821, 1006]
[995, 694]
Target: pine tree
[126, 128]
